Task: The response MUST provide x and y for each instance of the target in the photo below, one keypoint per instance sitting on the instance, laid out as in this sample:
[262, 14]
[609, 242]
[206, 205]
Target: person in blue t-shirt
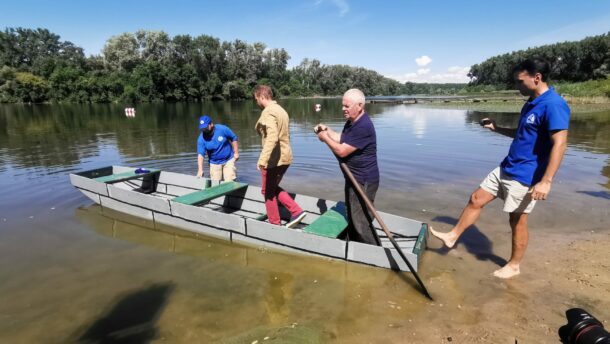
[220, 144]
[356, 146]
[526, 174]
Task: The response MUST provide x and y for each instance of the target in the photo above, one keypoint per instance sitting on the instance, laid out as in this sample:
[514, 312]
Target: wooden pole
[382, 224]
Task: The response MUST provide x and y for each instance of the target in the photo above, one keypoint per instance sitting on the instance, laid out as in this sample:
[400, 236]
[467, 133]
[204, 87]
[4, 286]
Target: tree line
[587, 59]
[37, 66]
[146, 66]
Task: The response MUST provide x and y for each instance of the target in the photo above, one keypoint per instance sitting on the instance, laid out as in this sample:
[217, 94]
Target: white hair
[355, 95]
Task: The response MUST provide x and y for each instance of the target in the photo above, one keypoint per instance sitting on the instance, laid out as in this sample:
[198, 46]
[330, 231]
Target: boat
[235, 212]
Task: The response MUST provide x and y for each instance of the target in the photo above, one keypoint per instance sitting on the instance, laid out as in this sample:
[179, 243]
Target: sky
[418, 41]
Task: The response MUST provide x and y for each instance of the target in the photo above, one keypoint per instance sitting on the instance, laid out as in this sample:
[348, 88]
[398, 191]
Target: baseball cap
[204, 121]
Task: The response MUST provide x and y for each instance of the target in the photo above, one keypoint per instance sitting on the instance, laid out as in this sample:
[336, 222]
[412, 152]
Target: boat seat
[330, 224]
[208, 194]
[121, 177]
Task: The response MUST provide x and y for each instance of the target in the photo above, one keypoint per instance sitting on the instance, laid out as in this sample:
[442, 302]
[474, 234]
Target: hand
[488, 123]
[236, 156]
[260, 167]
[199, 173]
[320, 127]
[322, 135]
[541, 190]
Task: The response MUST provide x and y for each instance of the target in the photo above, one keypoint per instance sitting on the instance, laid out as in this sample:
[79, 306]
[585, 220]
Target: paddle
[382, 224]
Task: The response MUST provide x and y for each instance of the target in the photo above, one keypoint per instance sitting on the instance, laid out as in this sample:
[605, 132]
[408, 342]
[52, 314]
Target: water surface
[70, 272]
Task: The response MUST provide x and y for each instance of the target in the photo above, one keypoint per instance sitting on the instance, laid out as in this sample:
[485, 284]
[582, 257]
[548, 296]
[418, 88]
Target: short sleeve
[200, 145]
[558, 116]
[230, 134]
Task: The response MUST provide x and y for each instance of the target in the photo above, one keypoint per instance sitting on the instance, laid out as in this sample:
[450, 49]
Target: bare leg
[518, 223]
[470, 215]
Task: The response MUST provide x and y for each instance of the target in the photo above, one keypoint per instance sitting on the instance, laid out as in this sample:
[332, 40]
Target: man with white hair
[356, 146]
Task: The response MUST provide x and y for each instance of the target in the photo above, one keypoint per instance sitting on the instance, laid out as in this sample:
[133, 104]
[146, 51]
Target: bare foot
[448, 239]
[507, 271]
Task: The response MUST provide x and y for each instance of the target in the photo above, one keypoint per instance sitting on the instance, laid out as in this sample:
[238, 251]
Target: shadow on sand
[600, 194]
[132, 319]
[474, 240]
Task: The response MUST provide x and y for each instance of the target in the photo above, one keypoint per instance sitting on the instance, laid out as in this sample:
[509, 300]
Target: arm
[332, 139]
[199, 165]
[559, 139]
[271, 140]
[510, 132]
[235, 150]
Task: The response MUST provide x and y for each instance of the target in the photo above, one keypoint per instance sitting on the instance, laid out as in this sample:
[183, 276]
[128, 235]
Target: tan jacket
[272, 126]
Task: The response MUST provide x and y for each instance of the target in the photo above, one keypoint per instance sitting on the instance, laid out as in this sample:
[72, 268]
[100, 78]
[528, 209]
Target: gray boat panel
[94, 197]
[121, 169]
[209, 217]
[140, 199]
[172, 221]
[179, 190]
[177, 179]
[398, 224]
[88, 184]
[296, 239]
[161, 188]
[249, 241]
[380, 256]
[126, 208]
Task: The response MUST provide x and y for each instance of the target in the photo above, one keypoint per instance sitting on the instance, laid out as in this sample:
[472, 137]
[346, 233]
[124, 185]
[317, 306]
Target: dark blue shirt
[529, 153]
[363, 161]
[218, 145]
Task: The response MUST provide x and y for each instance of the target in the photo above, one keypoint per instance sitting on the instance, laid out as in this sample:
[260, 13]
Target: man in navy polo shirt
[220, 144]
[356, 146]
[526, 174]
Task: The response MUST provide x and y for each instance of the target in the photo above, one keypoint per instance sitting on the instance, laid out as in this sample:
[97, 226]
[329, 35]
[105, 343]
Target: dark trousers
[360, 227]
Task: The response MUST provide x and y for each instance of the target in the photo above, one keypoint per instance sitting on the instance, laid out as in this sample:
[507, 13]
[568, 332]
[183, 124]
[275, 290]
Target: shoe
[295, 220]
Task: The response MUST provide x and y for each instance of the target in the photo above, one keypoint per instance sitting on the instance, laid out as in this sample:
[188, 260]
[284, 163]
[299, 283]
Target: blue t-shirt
[529, 153]
[363, 161]
[218, 145]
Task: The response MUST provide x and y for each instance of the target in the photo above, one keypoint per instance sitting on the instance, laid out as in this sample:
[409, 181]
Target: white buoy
[318, 107]
[130, 112]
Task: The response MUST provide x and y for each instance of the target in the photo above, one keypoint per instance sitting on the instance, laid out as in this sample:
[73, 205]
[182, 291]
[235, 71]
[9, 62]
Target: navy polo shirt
[529, 153]
[363, 161]
[218, 145]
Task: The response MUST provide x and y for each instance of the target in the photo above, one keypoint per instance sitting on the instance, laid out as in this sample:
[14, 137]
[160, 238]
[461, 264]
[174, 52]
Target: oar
[383, 226]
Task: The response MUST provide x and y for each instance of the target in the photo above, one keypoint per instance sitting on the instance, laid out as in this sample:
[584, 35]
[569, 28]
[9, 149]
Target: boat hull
[235, 217]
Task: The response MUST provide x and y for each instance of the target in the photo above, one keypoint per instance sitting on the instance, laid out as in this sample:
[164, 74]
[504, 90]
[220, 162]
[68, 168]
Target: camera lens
[583, 328]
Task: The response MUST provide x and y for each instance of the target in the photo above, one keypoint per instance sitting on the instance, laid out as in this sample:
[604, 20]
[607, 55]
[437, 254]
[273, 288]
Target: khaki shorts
[516, 196]
[226, 171]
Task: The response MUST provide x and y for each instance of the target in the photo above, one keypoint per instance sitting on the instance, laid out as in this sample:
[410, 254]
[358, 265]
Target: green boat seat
[208, 194]
[121, 177]
[330, 224]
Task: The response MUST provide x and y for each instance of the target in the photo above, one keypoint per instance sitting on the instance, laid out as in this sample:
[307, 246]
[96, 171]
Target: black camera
[318, 129]
[486, 122]
[583, 328]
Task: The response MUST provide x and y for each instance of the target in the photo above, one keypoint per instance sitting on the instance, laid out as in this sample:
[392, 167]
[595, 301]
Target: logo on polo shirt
[220, 138]
[531, 118]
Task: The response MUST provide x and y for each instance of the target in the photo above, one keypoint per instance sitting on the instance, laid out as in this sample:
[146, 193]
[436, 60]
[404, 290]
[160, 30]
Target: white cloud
[423, 60]
[342, 5]
[455, 74]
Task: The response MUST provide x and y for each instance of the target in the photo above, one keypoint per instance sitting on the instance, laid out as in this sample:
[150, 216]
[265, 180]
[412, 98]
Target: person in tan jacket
[275, 157]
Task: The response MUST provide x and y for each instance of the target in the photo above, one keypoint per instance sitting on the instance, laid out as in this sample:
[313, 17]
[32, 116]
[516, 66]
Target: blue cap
[204, 121]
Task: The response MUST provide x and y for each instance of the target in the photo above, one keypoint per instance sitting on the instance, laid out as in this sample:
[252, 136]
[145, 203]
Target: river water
[70, 273]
